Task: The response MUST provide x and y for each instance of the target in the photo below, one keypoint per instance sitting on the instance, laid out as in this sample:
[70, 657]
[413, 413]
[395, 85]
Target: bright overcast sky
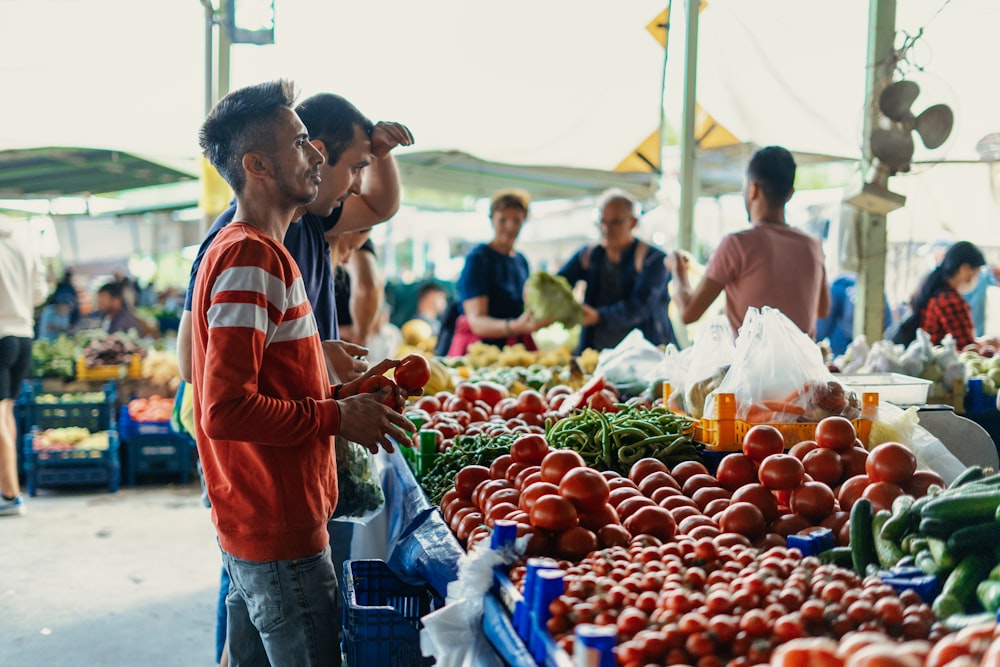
[571, 82]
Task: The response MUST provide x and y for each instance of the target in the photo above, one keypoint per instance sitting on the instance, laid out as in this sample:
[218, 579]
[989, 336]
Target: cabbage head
[549, 296]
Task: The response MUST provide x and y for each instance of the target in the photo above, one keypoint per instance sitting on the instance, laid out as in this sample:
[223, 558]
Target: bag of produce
[550, 297]
[360, 496]
[778, 375]
[710, 358]
[633, 362]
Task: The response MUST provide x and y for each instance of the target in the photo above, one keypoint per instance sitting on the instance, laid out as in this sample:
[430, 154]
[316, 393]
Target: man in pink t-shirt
[770, 264]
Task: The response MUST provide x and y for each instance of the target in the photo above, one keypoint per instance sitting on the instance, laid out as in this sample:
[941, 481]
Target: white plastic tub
[893, 388]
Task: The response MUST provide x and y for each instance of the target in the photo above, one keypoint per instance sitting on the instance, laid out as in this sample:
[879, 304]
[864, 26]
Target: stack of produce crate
[69, 439]
[152, 446]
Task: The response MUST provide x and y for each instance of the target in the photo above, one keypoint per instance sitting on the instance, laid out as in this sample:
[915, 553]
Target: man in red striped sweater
[264, 410]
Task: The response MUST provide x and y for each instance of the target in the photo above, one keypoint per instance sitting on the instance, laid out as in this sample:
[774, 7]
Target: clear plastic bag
[779, 376]
[709, 361]
[634, 361]
[360, 497]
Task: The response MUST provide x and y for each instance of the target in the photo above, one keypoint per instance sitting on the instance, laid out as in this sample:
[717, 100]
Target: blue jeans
[283, 612]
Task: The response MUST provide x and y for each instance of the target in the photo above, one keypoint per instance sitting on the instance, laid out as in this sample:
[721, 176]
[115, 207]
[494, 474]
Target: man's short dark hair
[240, 123]
[332, 119]
[772, 168]
[113, 289]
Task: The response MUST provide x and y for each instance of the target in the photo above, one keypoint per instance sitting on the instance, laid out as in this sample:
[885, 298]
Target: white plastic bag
[778, 375]
[360, 497]
[453, 635]
[633, 361]
[709, 361]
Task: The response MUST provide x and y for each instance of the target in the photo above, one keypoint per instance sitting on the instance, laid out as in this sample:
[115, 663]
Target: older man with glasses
[626, 280]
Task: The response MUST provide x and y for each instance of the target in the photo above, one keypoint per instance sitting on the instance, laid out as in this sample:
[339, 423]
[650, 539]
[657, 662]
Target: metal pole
[209, 56]
[224, 44]
[869, 309]
[689, 193]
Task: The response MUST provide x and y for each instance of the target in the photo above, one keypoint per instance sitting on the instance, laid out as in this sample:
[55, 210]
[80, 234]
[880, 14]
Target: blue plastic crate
[94, 417]
[382, 617]
[72, 467]
[157, 455]
[129, 428]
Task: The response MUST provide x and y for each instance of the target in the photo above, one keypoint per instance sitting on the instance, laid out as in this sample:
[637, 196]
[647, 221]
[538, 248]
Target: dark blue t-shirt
[307, 245]
[500, 278]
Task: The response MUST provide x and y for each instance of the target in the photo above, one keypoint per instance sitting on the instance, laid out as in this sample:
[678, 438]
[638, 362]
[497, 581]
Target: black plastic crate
[95, 417]
[72, 467]
[382, 616]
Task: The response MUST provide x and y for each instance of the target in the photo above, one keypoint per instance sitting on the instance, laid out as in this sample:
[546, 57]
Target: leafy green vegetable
[551, 297]
[359, 492]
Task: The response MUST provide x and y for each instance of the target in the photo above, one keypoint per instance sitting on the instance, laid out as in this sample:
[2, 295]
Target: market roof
[64, 171]
[458, 172]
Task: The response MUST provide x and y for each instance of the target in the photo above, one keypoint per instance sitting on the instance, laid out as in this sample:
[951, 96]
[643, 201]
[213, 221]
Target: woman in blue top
[491, 287]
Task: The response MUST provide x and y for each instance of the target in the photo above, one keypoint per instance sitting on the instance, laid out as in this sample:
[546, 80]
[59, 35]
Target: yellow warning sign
[708, 133]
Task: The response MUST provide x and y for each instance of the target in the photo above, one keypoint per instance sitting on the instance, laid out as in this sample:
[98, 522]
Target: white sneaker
[16, 507]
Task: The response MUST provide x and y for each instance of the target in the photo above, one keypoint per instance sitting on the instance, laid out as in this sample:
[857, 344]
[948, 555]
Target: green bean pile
[468, 450]
[616, 440]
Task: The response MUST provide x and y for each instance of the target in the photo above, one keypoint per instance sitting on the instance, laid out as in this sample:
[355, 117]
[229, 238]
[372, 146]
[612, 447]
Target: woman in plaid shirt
[942, 308]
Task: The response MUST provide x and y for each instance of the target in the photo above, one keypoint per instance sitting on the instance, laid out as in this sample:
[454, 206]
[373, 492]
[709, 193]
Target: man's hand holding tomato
[371, 418]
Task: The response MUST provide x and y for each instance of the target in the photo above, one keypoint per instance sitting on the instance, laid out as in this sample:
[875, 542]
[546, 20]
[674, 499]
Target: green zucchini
[862, 540]
[887, 551]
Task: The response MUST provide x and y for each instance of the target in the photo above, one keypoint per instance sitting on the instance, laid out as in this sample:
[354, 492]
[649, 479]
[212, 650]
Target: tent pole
[869, 298]
[689, 192]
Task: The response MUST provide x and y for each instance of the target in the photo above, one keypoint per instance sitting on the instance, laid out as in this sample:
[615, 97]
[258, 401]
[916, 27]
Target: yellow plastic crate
[725, 434]
[132, 370]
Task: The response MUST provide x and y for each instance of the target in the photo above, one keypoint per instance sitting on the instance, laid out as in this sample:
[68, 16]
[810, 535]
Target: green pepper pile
[468, 450]
[616, 440]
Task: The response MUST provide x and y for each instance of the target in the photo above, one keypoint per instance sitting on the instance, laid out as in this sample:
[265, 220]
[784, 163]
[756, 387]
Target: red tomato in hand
[413, 372]
[761, 441]
[375, 384]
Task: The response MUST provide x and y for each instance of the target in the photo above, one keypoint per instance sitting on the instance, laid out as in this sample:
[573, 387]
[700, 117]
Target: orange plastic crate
[725, 434]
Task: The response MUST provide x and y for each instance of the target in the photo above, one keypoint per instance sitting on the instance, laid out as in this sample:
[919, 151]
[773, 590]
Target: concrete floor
[90, 578]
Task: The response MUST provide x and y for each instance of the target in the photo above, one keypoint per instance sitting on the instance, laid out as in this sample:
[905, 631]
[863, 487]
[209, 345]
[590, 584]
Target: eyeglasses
[612, 223]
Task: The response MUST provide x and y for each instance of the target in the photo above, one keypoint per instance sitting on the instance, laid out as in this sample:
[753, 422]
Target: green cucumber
[970, 474]
[917, 544]
[957, 622]
[936, 528]
[837, 556]
[971, 538]
[968, 508]
[946, 605]
[899, 522]
[862, 540]
[925, 561]
[941, 553]
[963, 580]
[887, 551]
[988, 594]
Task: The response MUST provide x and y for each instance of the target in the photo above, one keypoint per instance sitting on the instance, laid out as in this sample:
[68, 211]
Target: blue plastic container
[55, 468]
[382, 616]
